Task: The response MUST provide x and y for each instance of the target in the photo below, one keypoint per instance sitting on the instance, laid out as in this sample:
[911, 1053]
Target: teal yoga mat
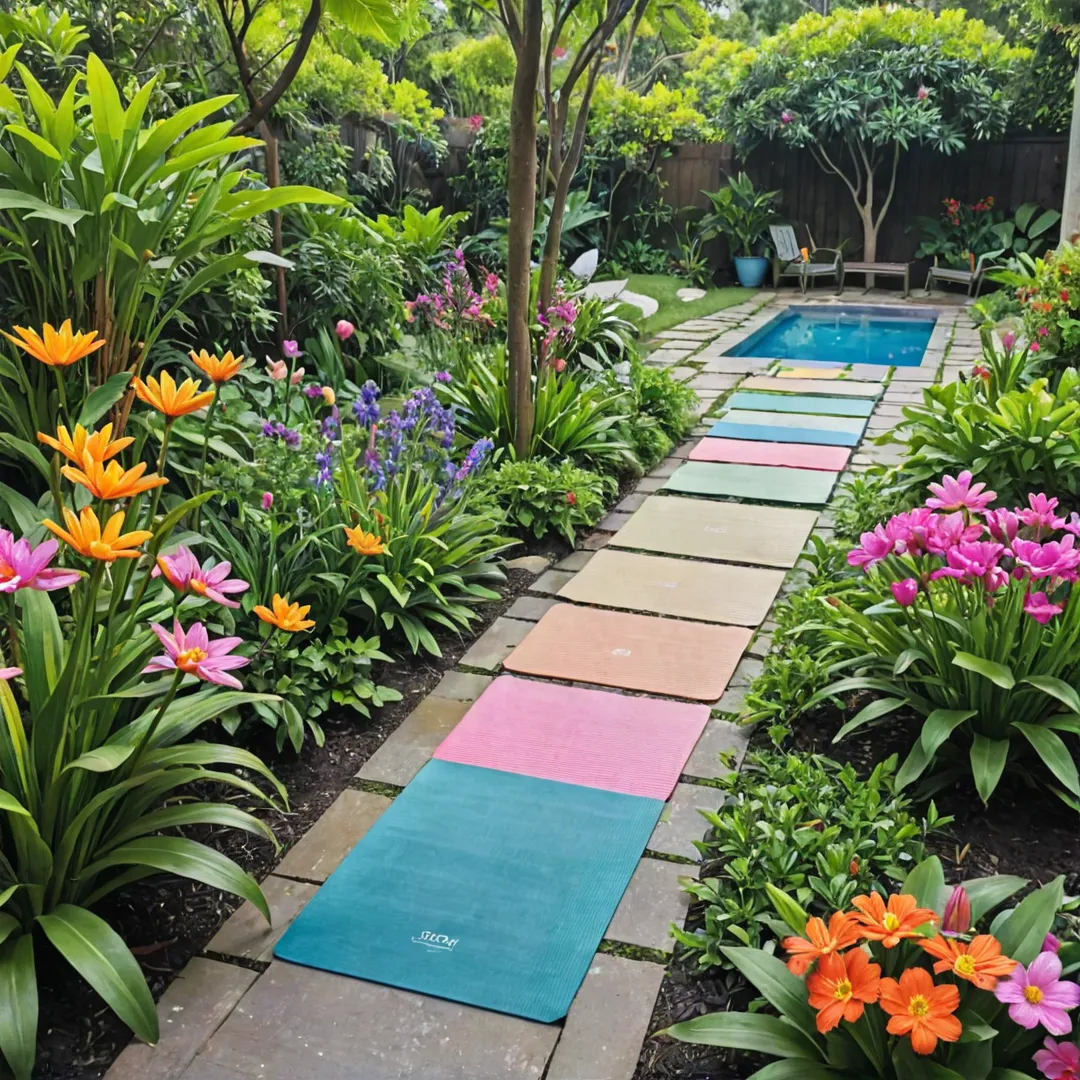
[485, 887]
[800, 403]
[764, 483]
[729, 429]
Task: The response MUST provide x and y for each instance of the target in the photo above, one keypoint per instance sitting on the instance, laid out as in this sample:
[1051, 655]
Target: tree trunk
[273, 179]
[1070, 210]
[521, 191]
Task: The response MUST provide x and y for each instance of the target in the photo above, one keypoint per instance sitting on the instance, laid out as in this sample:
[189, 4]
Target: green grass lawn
[662, 288]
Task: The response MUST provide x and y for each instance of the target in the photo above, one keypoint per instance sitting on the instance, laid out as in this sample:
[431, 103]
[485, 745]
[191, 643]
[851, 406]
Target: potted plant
[742, 214]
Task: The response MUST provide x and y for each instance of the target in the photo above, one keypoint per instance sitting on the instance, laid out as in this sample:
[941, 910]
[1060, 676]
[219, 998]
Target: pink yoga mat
[634, 745]
[792, 455]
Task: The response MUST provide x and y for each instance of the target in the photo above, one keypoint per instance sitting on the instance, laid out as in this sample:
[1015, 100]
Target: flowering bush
[1049, 293]
[963, 233]
[974, 626]
[904, 987]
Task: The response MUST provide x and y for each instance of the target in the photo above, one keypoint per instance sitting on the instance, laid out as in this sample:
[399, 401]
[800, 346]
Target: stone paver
[608, 1021]
[411, 744]
[496, 643]
[614, 521]
[574, 561]
[531, 608]
[652, 902]
[247, 935]
[735, 694]
[719, 737]
[196, 1003]
[535, 564]
[680, 823]
[461, 686]
[333, 836]
[551, 581]
[297, 1023]
[595, 541]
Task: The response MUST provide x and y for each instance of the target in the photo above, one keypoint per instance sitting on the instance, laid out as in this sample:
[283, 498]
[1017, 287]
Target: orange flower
[980, 962]
[841, 987]
[98, 444]
[285, 616]
[918, 1008]
[843, 932]
[170, 399]
[363, 542]
[85, 535]
[891, 925]
[113, 481]
[57, 348]
[218, 371]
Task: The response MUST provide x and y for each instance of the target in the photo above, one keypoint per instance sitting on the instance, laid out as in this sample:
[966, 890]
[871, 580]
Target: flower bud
[957, 918]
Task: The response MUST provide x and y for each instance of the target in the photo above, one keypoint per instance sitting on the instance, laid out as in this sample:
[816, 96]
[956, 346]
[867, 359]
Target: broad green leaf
[98, 953]
[1055, 754]
[880, 707]
[22, 513]
[789, 909]
[746, 1031]
[18, 1005]
[185, 858]
[1009, 1074]
[1023, 932]
[998, 674]
[988, 757]
[11, 805]
[987, 893]
[100, 400]
[926, 882]
[36, 208]
[939, 725]
[43, 646]
[777, 985]
[8, 923]
[103, 759]
[195, 813]
[1056, 688]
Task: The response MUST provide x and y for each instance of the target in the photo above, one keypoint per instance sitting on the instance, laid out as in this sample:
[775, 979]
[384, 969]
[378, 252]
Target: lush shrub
[808, 826]
[972, 627]
[477, 72]
[866, 498]
[666, 410]
[422, 244]
[843, 1020]
[1048, 290]
[540, 497]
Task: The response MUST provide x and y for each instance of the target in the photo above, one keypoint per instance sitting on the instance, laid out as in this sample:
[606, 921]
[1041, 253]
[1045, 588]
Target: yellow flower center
[198, 587]
[101, 551]
[1032, 995]
[189, 659]
[964, 965]
[843, 990]
[918, 1006]
[6, 572]
[890, 922]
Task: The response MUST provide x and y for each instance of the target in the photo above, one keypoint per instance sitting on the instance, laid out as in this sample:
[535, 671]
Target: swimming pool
[844, 335]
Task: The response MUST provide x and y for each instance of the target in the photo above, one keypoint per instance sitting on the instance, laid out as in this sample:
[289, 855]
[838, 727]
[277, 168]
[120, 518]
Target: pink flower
[183, 572]
[1042, 331]
[26, 567]
[1034, 347]
[267, 500]
[1059, 1061]
[559, 364]
[296, 377]
[908, 531]
[980, 372]
[1073, 524]
[1038, 996]
[476, 122]
[1041, 513]
[1008, 340]
[960, 494]
[1038, 606]
[1003, 525]
[1050, 944]
[276, 369]
[1053, 559]
[875, 546]
[973, 561]
[291, 350]
[905, 591]
[786, 117]
[945, 532]
[9, 672]
[344, 329]
[957, 918]
[922, 93]
[193, 653]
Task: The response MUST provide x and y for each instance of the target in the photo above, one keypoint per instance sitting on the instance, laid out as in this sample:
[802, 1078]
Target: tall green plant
[741, 213]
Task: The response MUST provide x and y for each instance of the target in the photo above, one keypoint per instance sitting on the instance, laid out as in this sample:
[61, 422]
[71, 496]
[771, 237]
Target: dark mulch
[166, 921]
[1025, 831]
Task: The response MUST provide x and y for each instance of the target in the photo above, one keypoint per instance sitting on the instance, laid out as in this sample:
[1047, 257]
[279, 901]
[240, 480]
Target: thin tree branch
[892, 187]
[642, 84]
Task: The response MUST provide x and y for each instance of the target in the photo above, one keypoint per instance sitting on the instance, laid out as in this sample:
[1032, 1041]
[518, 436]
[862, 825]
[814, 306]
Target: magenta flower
[948, 531]
[908, 530]
[1038, 606]
[875, 546]
[26, 567]
[443, 376]
[344, 329]
[960, 494]
[1008, 339]
[184, 573]
[291, 350]
[267, 500]
[1059, 1061]
[786, 117]
[1042, 331]
[1050, 944]
[922, 93]
[957, 918]
[972, 561]
[1052, 559]
[9, 672]
[1034, 347]
[1038, 996]
[905, 591]
[193, 653]
[1003, 525]
[1040, 514]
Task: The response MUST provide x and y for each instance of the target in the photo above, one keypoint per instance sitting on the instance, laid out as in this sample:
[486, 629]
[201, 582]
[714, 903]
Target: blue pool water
[844, 335]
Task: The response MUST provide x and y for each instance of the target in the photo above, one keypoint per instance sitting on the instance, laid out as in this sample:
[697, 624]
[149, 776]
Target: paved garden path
[688, 581]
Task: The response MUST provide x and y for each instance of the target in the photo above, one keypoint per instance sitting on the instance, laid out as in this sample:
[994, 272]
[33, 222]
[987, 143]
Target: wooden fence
[1015, 171]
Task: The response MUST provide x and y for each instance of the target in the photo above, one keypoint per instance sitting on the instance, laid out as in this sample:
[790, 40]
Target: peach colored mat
[791, 455]
[632, 652]
[732, 532]
[830, 388]
[711, 592]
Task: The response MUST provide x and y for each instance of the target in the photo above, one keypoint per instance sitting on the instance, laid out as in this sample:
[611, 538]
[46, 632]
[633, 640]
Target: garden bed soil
[167, 920]
[1024, 831]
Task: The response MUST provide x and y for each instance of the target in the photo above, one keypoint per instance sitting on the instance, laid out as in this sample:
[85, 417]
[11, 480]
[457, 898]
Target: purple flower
[1050, 944]
[366, 406]
[443, 376]
[291, 350]
[905, 591]
[313, 390]
[26, 567]
[184, 573]
[786, 117]
[1038, 996]
[1059, 1061]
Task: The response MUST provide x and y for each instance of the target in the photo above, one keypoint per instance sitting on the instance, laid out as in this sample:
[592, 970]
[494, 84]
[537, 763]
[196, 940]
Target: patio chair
[789, 261]
[972, 278]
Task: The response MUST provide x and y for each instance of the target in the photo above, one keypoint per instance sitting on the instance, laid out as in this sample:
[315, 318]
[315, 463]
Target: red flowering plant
[910, 986]
[972, 625]
[962, 233]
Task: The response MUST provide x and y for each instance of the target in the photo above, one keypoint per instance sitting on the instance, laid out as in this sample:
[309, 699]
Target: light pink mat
[634, 745]
[791, 455]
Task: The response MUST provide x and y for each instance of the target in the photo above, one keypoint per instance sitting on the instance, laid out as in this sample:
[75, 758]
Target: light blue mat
[729, 429]
[480, 886]
[800, 403]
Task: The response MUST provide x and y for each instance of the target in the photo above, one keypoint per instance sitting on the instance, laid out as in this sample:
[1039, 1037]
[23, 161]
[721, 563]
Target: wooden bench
[885, 269]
